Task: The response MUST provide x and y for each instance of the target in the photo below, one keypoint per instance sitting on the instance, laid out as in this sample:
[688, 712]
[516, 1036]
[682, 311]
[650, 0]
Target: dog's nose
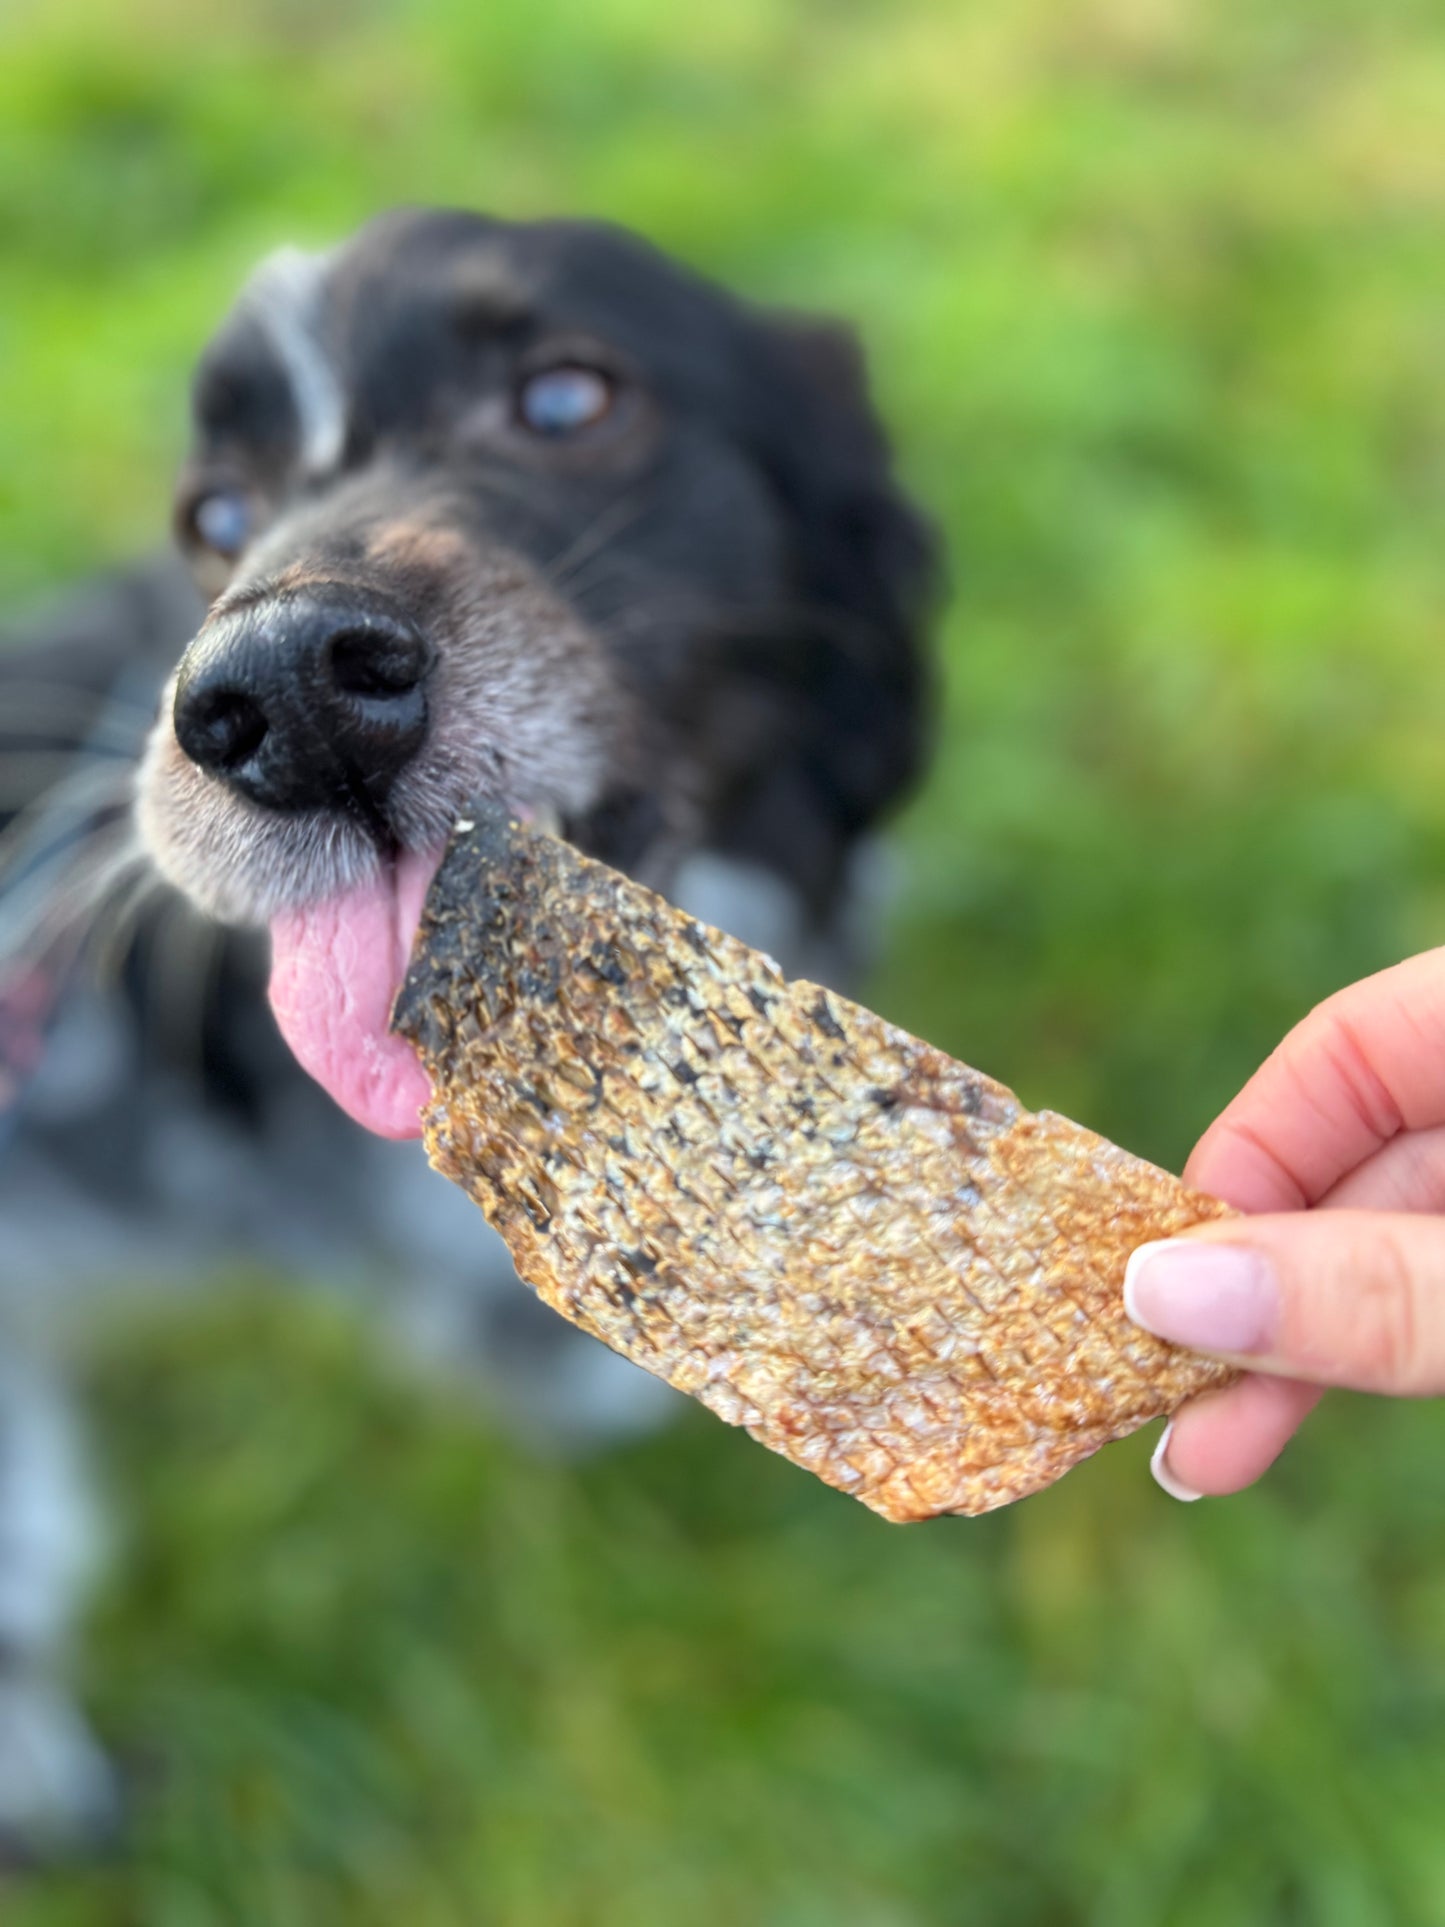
[305, 703]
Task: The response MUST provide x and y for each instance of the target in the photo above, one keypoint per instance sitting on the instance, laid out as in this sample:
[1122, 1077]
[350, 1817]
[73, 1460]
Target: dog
[473, 509]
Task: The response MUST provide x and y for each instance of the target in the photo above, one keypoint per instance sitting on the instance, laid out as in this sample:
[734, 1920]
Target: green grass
[369, 1664]
[1155, 293]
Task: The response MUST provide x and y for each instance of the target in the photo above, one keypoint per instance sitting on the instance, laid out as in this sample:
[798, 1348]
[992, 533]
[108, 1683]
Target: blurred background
[1154, 292]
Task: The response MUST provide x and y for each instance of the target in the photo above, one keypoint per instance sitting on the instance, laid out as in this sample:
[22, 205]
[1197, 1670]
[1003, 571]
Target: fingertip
[1135, 1263]
[1163, 1477]
[1223, 1441]
[1234, 1163]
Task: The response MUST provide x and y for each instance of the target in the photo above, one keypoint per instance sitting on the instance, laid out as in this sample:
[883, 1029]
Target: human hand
[1346, 1117]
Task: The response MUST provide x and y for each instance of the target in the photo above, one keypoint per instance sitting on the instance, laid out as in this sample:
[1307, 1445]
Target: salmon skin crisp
[872, 1257]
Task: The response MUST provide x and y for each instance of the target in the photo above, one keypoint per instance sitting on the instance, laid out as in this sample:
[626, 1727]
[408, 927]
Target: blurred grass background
[1155, 294]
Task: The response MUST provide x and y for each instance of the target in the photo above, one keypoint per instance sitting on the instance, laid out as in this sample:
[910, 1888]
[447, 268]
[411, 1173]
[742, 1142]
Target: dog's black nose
[307, 702]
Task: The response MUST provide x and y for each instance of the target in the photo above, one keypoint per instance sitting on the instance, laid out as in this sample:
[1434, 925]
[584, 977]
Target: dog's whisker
[71, 700]
[26, 773]
[36, 717]
[182, 965]
[36, 916]
[624, 574]
[100, 778]
[520, 496]
[112, 932]
[658, 612]
[62, 893]
[88, 860]
[46, 890]
[58, 824]
[610, 522]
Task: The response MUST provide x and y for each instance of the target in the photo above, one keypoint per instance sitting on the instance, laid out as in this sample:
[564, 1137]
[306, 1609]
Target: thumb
[1352, 1298]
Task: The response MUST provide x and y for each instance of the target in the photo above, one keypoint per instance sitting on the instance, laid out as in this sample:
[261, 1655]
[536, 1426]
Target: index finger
[1365, 1065]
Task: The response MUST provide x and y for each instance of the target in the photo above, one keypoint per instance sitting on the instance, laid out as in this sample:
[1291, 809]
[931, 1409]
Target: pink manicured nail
[1176, 1488]
[1213, 1297]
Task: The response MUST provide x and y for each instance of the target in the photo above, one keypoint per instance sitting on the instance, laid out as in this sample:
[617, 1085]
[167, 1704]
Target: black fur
[738, 555]
[730, 539]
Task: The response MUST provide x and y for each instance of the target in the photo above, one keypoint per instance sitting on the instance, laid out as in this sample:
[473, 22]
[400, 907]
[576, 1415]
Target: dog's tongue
[335, 969]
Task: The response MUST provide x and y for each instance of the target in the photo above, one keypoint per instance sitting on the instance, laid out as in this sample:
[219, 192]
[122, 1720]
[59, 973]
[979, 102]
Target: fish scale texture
[869, 1255]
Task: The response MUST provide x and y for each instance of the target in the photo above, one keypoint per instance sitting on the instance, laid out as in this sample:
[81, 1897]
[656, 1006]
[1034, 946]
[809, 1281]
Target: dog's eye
[222, 521]
[560, 401]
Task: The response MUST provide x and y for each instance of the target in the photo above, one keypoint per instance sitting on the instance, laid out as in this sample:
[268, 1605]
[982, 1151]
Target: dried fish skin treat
[867, 1254]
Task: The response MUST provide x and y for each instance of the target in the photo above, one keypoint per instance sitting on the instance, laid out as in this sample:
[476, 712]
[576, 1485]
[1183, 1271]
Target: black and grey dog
[472, 508]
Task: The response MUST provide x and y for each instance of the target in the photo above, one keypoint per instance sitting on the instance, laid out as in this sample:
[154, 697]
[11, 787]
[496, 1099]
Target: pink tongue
[335, 970]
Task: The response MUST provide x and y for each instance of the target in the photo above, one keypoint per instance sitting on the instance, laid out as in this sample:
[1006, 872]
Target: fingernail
[1158, 1465]
[1215, 1298]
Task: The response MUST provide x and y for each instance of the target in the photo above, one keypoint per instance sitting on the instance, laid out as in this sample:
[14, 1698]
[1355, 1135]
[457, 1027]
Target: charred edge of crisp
[470, 912]
[505, 921]
[825, 1020]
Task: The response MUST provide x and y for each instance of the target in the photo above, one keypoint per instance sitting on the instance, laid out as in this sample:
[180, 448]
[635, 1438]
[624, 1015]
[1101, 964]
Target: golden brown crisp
[869, 1255]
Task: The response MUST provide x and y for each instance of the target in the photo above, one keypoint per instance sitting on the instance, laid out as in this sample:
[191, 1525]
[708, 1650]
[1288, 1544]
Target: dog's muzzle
[308, 701]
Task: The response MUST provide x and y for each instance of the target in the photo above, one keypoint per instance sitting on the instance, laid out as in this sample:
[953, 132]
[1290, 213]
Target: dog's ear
[867, 568]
